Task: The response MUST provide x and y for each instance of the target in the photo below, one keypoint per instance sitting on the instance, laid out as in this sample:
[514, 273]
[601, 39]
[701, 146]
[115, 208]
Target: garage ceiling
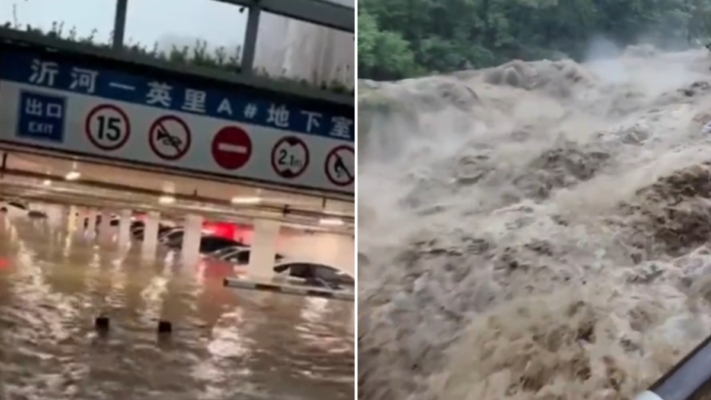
[40, 177]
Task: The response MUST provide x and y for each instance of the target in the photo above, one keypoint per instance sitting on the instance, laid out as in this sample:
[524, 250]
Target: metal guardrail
[690, 379]
[288, 288]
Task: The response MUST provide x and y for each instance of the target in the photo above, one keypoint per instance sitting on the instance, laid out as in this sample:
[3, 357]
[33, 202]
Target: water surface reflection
[225, 345]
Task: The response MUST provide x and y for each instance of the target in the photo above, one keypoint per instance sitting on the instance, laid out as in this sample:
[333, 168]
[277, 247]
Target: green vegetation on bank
[221, 58]
[403, 38]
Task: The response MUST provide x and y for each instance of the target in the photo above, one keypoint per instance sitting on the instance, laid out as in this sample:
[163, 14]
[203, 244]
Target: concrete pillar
[191, 239]
[105, 231]
[250, 38]
[120, 24]
[337, 250]
[124, 232]
[55, 214]
[89, 215]
[56, 220]
[72, 218]
[242, 234]
[63, 216]
[346, 256]
[150, 234]
[263, 249]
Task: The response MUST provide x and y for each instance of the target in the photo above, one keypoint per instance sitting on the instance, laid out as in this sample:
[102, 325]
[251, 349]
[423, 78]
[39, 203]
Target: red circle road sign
[169, 137]
[231, 147]
[339, 165]
[107, 127]
[290, 157]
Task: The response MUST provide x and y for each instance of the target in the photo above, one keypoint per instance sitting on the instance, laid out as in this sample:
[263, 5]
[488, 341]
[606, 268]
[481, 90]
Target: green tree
[383, 54]
[448, 35]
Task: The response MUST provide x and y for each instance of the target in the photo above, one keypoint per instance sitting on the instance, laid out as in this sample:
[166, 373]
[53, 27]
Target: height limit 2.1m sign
[290, 157]
[107, 127]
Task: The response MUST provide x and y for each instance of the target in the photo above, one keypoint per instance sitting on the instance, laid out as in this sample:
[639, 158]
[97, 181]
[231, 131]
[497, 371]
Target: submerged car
[170, 235]
[136, 224]
[138, 230]
[34, 214]
[212, 243]
[138, 233]
[241, 256]
[172, 238]
[208, 243]
[219, 254]
[163, 229]
[317, 274]
[14, 208]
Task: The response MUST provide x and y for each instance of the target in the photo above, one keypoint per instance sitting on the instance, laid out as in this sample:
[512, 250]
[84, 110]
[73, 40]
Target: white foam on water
[536, 230]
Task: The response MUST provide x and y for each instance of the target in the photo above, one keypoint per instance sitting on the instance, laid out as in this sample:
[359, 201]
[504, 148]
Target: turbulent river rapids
[538, 230]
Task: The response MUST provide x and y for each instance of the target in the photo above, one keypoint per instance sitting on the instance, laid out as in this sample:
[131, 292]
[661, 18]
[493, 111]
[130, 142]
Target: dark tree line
[401, 38]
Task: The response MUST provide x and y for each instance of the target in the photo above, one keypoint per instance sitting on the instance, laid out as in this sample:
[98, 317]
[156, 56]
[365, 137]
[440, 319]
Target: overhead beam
[319, 12]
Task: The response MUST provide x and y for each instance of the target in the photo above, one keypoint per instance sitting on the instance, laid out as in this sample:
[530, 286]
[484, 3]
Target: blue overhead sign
[144, 116]
[169, 94]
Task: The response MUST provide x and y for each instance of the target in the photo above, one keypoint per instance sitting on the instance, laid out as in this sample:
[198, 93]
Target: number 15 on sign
[107, 127]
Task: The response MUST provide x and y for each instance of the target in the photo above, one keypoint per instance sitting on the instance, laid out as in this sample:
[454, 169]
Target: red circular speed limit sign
[107, 127]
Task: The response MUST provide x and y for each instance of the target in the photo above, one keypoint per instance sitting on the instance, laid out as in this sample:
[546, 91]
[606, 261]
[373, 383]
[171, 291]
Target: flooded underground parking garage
[53, 285]
[171, 228]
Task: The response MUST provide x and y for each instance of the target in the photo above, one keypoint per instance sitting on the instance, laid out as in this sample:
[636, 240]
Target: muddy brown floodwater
[225, 344]
[535, 230]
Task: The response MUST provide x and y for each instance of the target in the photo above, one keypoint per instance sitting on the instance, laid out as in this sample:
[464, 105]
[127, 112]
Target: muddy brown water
[225, 344]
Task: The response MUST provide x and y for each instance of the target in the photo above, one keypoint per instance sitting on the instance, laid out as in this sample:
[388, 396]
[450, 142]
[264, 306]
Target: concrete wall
[327, 248]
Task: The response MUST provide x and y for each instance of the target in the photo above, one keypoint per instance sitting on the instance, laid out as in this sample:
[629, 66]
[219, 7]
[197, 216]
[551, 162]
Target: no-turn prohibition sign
[339, 166]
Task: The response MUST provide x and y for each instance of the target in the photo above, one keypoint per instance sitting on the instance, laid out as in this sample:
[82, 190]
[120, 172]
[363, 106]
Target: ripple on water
[225, 344]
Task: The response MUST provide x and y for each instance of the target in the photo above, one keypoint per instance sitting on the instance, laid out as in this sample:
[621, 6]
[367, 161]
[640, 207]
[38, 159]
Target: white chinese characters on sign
[122, 86]
[341, 127]
[313, 120]
[278, 116]
[159, 94]
[84, 79]
[44, 72]
[37, 108]
[195, 100]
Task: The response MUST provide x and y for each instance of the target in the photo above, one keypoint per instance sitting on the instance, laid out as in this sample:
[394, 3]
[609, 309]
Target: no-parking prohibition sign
[107, 127]
[290, 157]
[231, 148]
[169, 138]
[340, 165]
